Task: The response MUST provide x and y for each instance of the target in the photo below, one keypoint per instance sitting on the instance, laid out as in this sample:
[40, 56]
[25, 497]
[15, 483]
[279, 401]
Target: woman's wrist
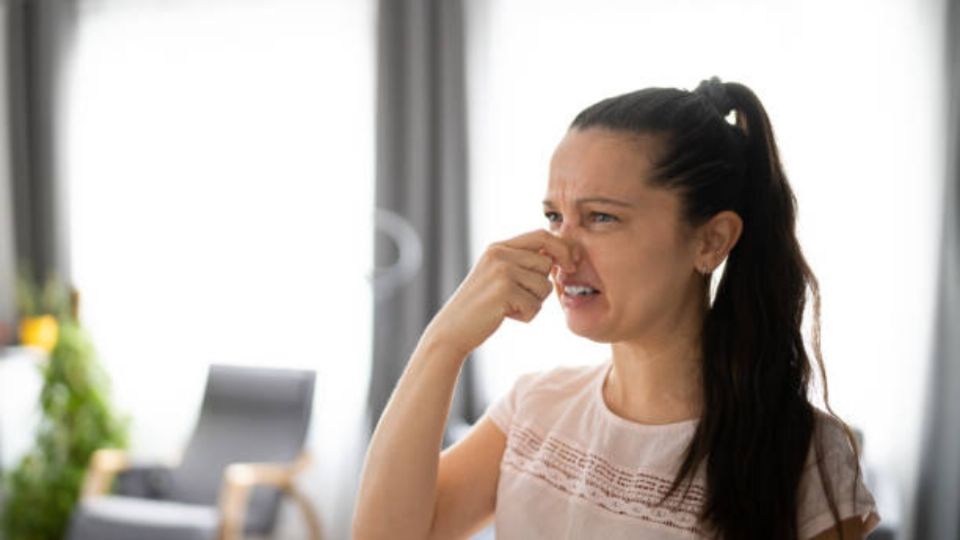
[434, 344]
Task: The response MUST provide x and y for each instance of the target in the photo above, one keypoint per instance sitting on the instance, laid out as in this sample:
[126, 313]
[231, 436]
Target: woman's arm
[467, 482]
[399, 488]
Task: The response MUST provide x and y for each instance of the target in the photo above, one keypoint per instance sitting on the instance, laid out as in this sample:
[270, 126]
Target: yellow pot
[41, 332]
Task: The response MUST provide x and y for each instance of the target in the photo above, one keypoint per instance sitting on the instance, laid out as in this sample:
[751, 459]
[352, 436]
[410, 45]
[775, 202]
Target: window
[220, 171]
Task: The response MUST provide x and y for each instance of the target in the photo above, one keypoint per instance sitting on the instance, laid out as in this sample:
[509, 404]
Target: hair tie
[716, 93]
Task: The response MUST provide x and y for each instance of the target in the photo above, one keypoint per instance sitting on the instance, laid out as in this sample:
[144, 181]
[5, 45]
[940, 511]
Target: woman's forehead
[600, 162]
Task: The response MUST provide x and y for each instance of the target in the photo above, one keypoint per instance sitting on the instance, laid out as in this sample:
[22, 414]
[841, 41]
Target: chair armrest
[105, 463]
[240, 478]
[278, 475]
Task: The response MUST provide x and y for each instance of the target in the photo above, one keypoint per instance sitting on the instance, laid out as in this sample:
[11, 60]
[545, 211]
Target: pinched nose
[576, 250]
[577, 254]
[570, 236]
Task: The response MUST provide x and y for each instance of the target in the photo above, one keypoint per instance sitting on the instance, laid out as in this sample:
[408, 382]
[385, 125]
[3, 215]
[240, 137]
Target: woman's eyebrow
[602, 200]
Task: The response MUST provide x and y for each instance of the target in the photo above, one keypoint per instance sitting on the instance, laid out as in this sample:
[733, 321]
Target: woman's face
[636, 272]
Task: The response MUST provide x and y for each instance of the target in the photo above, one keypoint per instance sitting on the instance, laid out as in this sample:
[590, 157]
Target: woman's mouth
[574, 296]
[579, 290]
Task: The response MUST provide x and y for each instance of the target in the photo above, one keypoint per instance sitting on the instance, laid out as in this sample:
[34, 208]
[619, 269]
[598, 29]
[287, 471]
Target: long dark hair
[757, 425]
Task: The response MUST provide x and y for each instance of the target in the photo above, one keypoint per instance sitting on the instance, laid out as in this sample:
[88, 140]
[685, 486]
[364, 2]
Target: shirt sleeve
[849, 492]
[504, 409]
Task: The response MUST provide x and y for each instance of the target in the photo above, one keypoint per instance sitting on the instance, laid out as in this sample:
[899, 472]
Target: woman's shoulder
[832, 437]
[833, 472]
[543, 393]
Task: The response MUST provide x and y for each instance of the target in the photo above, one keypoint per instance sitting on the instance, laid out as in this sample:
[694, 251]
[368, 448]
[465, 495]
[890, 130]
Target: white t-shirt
[574, 469]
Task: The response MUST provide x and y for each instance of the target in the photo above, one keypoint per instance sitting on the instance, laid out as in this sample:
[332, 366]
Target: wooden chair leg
[233, 505]
[240, 478]
[309, 514]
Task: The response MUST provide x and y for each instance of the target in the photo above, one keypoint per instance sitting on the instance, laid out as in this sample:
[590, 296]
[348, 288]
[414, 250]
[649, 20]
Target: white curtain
[852, 89]
[220, 170]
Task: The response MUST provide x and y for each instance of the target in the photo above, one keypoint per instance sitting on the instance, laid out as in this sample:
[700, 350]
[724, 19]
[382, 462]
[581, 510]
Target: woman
[699, 426]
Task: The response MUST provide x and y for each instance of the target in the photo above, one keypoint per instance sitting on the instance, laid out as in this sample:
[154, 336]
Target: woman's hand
[511, 279]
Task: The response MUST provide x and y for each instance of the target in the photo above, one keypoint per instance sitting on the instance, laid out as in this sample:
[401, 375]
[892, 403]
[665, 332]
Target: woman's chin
[587, 329]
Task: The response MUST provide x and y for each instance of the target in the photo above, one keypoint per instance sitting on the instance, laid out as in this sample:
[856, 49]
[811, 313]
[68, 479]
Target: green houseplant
[77, 419]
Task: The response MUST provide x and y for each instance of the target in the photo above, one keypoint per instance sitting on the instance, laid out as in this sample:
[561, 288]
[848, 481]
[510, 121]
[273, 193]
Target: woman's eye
[552, 217]
[602, 218]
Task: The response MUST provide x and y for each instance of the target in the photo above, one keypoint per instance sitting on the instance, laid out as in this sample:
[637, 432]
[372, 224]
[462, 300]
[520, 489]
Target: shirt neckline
[611, 416]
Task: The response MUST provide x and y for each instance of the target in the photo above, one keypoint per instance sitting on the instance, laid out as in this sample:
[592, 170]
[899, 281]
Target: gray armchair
[244, 454]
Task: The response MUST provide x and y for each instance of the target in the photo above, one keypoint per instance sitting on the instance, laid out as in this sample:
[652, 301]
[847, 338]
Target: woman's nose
[567, 230]
[576, 252]
[571, 238]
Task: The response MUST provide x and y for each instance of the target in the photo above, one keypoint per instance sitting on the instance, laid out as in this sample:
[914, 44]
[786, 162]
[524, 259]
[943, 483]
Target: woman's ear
[717, 238]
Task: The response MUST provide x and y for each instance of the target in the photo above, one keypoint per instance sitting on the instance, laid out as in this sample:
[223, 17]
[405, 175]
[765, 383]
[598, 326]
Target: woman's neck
[658, 379]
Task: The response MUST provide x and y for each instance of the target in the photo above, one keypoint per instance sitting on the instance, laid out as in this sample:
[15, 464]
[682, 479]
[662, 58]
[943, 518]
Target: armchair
[245, 453]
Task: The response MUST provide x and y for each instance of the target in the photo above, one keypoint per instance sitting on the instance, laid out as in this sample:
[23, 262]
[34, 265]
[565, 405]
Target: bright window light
[220, 171]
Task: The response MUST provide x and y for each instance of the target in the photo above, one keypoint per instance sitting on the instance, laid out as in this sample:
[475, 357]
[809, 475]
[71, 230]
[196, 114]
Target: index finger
[544, 242]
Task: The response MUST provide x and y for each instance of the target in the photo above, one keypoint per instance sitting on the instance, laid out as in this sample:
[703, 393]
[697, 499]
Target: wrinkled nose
[570, 237]
[576, 251]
